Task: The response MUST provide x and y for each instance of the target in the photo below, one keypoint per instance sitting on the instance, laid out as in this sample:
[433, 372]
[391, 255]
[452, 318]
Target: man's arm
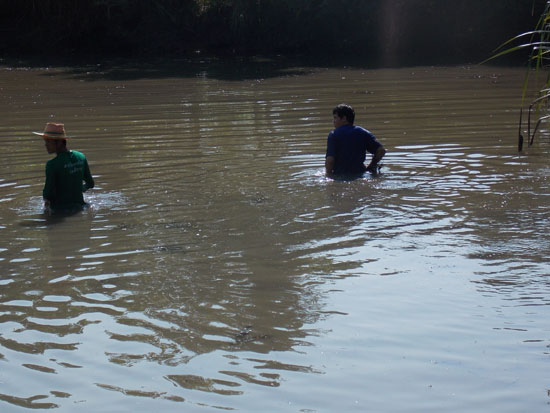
[376, 157]
[49, 191]
[89, 181]
[329, 165]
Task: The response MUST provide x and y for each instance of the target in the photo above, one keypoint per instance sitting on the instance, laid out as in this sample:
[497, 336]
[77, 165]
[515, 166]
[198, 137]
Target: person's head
[54, 137]
[343, 114]
[55, 145]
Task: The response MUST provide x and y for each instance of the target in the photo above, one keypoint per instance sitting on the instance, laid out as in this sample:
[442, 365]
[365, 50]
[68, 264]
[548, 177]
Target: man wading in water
[347, 146]
[67, 175]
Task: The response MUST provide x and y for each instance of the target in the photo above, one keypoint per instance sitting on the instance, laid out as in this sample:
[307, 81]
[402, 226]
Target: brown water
[219, 270]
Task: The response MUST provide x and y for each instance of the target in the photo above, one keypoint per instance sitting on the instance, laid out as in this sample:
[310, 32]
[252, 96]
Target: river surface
[217, 269]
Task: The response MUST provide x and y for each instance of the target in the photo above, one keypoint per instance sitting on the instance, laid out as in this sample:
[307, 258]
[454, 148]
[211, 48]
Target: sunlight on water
[216, 267]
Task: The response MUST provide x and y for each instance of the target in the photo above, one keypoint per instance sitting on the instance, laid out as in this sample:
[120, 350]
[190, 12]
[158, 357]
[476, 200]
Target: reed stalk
[537, 42]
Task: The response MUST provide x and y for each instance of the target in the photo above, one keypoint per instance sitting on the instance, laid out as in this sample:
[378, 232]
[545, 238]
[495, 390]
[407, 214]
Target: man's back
[348, 144]
[64, 180]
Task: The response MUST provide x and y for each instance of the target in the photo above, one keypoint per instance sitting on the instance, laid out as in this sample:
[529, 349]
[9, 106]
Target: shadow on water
[228, 68]
[46, 219]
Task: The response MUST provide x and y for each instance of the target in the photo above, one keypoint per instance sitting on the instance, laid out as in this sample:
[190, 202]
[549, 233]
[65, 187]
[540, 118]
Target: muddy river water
[218, 269]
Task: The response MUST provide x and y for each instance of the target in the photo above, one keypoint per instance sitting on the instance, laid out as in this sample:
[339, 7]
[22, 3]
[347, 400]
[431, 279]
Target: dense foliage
[384, 31]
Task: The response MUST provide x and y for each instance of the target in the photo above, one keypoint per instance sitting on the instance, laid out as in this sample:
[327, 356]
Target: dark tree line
[387, 32]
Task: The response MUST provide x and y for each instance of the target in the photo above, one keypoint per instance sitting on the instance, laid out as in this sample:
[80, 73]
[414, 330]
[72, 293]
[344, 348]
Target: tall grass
[537, 42]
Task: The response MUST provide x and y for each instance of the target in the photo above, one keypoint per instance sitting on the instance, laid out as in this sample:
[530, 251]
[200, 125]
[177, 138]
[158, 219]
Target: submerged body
[347, 146]
[67, 177]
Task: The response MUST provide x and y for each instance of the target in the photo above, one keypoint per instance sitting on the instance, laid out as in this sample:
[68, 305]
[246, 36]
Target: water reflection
[211, 267]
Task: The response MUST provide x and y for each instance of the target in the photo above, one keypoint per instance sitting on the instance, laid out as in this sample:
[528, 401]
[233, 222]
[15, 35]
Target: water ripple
[218, 266]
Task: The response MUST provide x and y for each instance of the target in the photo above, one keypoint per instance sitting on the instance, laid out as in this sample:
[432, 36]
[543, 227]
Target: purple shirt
[349, 145]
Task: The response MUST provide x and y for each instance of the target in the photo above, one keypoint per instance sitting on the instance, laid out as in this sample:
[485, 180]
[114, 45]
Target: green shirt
[67, 177]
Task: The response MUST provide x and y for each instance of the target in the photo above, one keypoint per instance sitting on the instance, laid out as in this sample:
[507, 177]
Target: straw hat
[53, 131]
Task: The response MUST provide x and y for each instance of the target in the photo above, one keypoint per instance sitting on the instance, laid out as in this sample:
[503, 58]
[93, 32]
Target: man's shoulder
[77, 157]
[78, 154]
[346, 129]
[361, 129]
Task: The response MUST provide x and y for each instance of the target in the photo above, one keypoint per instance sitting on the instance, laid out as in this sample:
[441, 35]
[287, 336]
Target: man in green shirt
[67, 175]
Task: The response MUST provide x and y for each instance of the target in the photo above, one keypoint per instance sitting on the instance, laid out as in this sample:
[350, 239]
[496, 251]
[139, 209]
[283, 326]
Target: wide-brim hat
[53, 131]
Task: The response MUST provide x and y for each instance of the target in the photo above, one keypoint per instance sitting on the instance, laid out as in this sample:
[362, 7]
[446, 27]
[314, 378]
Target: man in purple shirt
[347, 146]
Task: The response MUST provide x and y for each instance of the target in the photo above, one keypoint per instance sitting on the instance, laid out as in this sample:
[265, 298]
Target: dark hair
[344, 110]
